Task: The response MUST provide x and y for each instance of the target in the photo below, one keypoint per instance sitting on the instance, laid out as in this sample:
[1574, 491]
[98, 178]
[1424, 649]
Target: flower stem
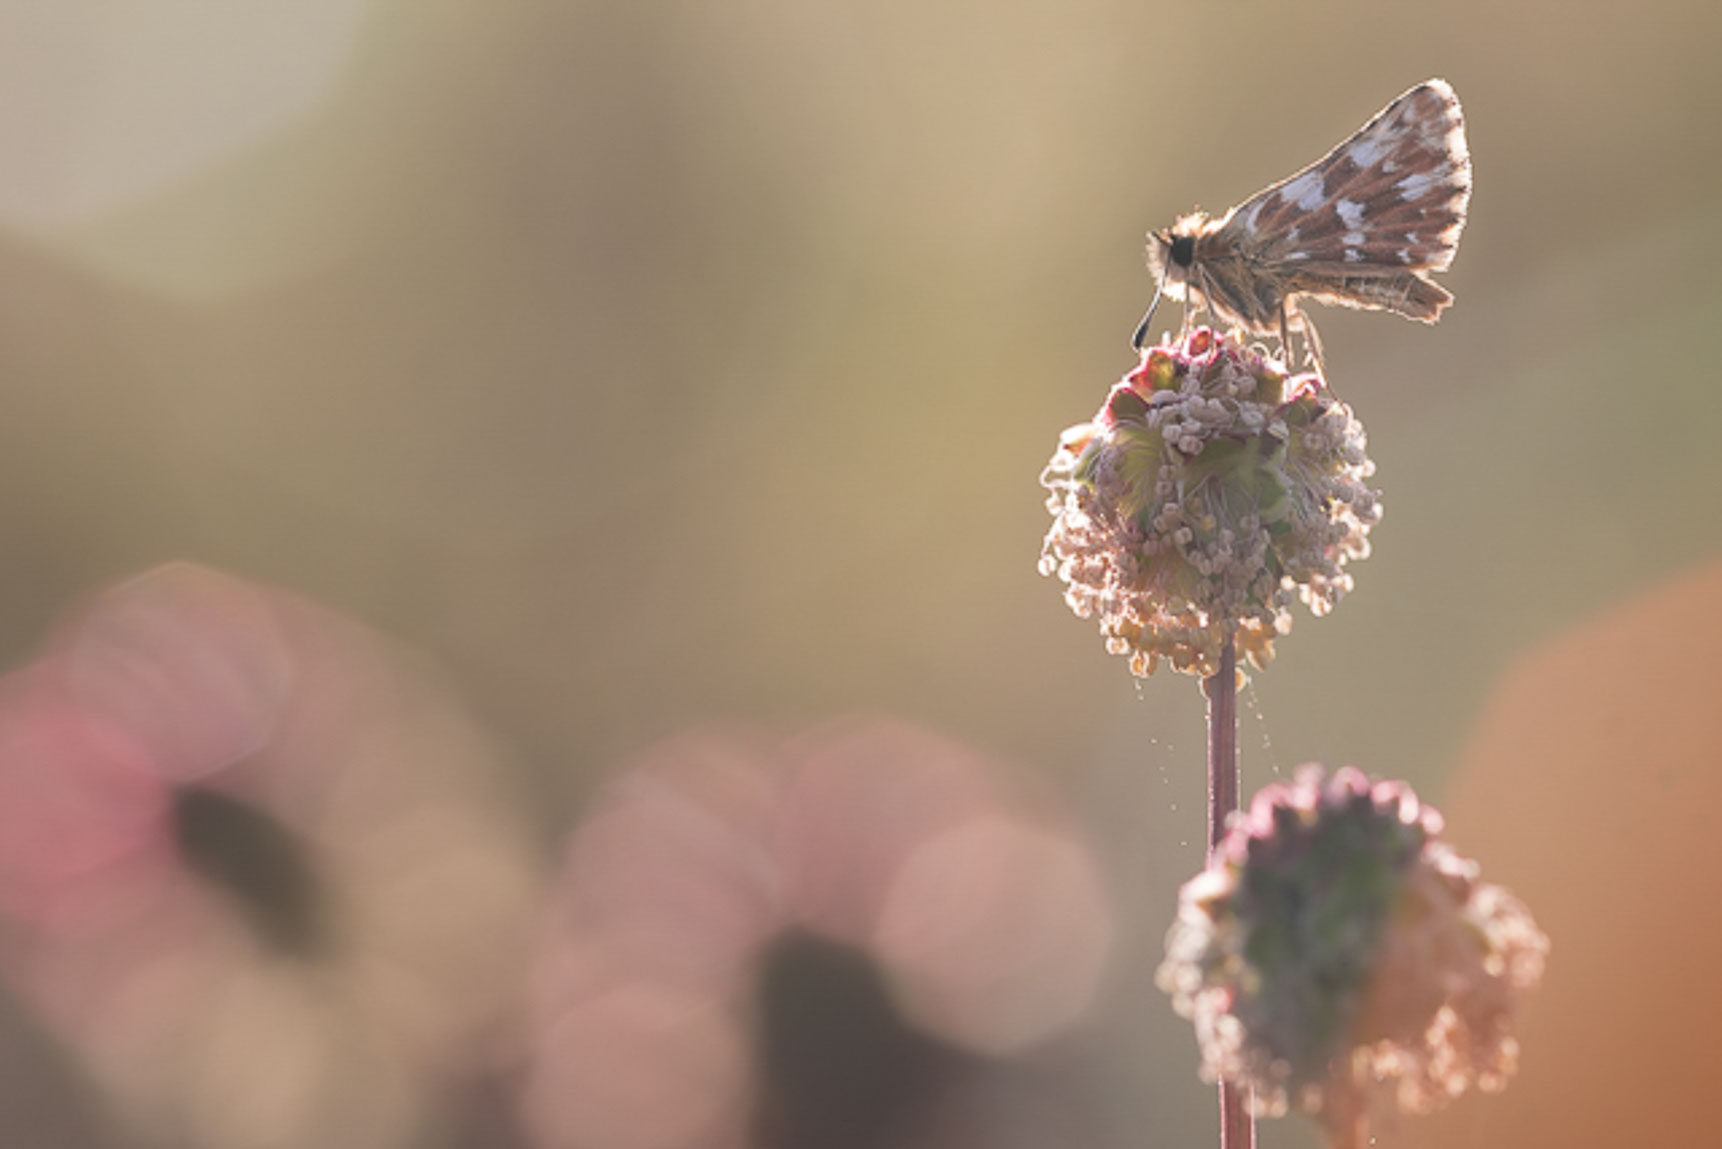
[1237, 1127]
[1345, 1116]
[1221, 689]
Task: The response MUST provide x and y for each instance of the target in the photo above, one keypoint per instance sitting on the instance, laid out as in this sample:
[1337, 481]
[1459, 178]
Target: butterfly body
[1364, 227]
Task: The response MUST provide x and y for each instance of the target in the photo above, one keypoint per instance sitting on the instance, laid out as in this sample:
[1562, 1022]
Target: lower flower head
[1207, 492]
[1334, 945]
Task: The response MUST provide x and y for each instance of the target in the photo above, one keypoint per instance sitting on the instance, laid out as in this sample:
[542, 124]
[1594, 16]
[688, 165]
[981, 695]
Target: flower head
[1207, 492]
[1334, 944]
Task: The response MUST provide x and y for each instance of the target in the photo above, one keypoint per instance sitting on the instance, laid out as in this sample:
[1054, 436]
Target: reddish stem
[1237, 1127]
[1345, 1117]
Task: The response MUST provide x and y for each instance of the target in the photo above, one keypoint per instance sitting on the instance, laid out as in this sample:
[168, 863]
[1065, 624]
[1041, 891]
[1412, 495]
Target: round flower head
[1334, 949]
[1208, 491]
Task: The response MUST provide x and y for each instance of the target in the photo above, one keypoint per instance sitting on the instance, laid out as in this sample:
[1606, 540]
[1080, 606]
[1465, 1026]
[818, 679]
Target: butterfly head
[1172, 252]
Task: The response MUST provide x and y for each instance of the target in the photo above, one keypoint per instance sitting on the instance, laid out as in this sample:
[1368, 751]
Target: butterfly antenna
[1139, 341]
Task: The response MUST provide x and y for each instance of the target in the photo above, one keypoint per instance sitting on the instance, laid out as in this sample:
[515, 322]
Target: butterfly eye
[1184, 250]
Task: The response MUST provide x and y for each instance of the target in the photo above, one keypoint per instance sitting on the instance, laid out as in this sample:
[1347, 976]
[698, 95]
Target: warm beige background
[649, 362]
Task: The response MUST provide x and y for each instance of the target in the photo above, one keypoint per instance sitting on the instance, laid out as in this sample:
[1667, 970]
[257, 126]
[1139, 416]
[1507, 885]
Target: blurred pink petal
[863, 796]
[641, 1066]
[188, 661]
[75, 794]
[995, 934]
[666, 883]
[127, 965]
[986, 919]
[157, 967]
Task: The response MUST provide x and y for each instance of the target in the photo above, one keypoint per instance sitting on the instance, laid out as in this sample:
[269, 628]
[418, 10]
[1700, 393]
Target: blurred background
[641, 365]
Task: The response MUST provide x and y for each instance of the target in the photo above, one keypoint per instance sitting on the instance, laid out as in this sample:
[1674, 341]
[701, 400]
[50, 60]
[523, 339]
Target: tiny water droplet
[1254, 702]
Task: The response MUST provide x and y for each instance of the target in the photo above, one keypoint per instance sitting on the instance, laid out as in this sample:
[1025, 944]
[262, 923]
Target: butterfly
[1364, 226]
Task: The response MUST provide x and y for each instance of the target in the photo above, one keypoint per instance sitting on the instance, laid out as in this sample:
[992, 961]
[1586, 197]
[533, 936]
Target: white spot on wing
[1352, 255]
[1367, 150]
[1305, 191]
[1355, 237]
[1350, 212]
[1296, 255]
[1416, 185]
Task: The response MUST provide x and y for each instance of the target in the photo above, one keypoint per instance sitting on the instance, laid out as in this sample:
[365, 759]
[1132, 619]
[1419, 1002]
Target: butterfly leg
[1207, 289]
[1311, 343]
